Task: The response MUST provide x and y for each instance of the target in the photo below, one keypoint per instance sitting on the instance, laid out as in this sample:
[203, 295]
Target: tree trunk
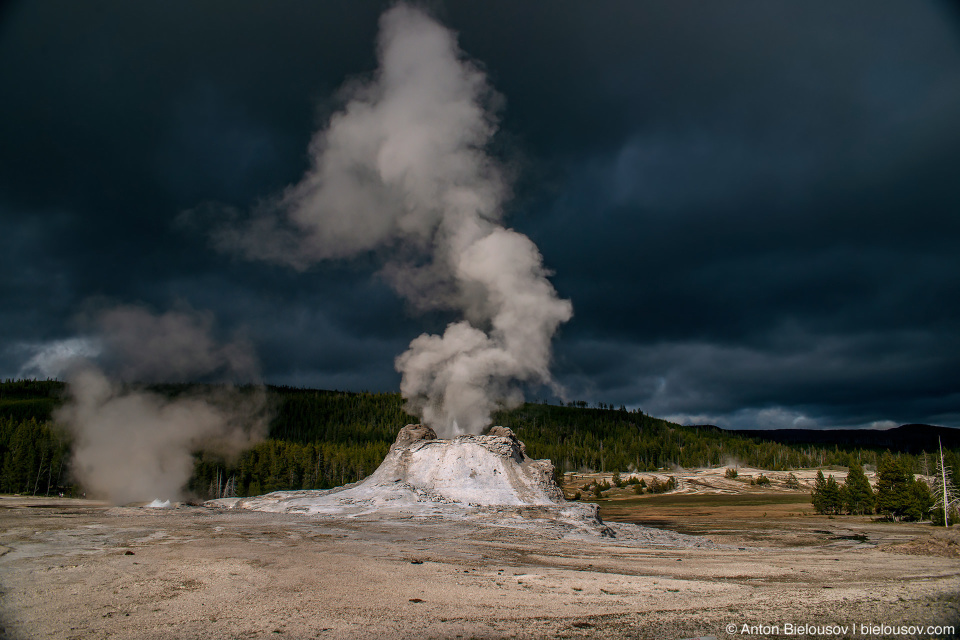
[36, 485]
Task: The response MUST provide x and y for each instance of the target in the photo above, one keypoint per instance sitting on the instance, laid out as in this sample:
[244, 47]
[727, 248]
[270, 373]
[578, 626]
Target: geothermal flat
[73, 569]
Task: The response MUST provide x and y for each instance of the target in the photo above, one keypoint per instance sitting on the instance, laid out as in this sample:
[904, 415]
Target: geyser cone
[475, 480]
[421, 470]
[475, 470]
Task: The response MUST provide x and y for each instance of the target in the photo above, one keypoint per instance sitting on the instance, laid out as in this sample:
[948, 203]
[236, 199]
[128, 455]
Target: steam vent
[482, 479]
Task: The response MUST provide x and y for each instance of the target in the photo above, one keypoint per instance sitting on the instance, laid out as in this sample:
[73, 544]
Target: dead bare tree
[946, 493]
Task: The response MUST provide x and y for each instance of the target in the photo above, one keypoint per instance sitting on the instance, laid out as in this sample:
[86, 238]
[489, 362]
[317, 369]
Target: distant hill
[909, 438]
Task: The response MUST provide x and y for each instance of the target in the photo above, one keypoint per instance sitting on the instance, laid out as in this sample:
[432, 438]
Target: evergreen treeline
[34, 453]
[310, 415]
[33, 457]
[277, 465]
[322, 439]
[317, 440]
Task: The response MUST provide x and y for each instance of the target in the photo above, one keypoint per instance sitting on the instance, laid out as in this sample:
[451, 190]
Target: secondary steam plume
[402, 168]
[132, 444]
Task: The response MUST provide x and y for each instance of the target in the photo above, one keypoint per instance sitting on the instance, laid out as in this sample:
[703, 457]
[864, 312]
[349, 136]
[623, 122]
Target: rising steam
[403, 169]
[132, 444]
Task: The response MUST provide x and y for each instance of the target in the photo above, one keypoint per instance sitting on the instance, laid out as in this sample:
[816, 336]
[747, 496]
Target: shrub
[763, 480]
[936, 516]
[730, 473]
[638, 489]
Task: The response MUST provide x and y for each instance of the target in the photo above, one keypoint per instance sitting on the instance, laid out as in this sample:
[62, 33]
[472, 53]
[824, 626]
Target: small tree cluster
[662, 486]
[730, 473]
[898, 495]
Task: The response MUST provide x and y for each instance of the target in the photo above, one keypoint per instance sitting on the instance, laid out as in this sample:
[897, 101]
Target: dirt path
[73, 569]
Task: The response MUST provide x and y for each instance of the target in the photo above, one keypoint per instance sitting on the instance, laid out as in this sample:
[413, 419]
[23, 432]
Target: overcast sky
[753, 206]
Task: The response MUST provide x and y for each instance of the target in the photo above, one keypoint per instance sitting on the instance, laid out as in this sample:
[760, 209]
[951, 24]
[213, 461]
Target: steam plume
[132, 444]
[403, 169]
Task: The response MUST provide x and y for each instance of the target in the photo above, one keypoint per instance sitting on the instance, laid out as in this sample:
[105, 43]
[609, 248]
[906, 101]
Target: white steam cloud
[403, 168]
[131, 444]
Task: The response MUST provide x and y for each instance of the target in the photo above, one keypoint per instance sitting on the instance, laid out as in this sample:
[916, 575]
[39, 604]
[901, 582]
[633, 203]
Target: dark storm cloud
[752, 206]
[118, 117]
[854, 377]
[342, 330]
[809, 192]
[35, 282]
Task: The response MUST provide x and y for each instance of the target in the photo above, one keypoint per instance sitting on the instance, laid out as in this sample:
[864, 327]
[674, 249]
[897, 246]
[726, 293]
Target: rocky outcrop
[413, 433]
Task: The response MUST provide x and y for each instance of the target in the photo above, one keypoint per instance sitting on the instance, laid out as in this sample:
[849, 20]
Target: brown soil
[77, 569]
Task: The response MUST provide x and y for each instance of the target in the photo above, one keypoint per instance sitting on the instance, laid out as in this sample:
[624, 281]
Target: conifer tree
[818, 495]
[920, 500]
[857, 494]
[832, 496]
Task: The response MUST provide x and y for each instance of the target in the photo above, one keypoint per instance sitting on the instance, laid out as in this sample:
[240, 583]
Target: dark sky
[754, 206]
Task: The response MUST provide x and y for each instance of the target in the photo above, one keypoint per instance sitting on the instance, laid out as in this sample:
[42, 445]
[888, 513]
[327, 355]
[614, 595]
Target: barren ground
[79, 569]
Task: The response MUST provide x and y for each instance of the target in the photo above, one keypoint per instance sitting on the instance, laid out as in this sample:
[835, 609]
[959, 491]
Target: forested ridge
[321, 439]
